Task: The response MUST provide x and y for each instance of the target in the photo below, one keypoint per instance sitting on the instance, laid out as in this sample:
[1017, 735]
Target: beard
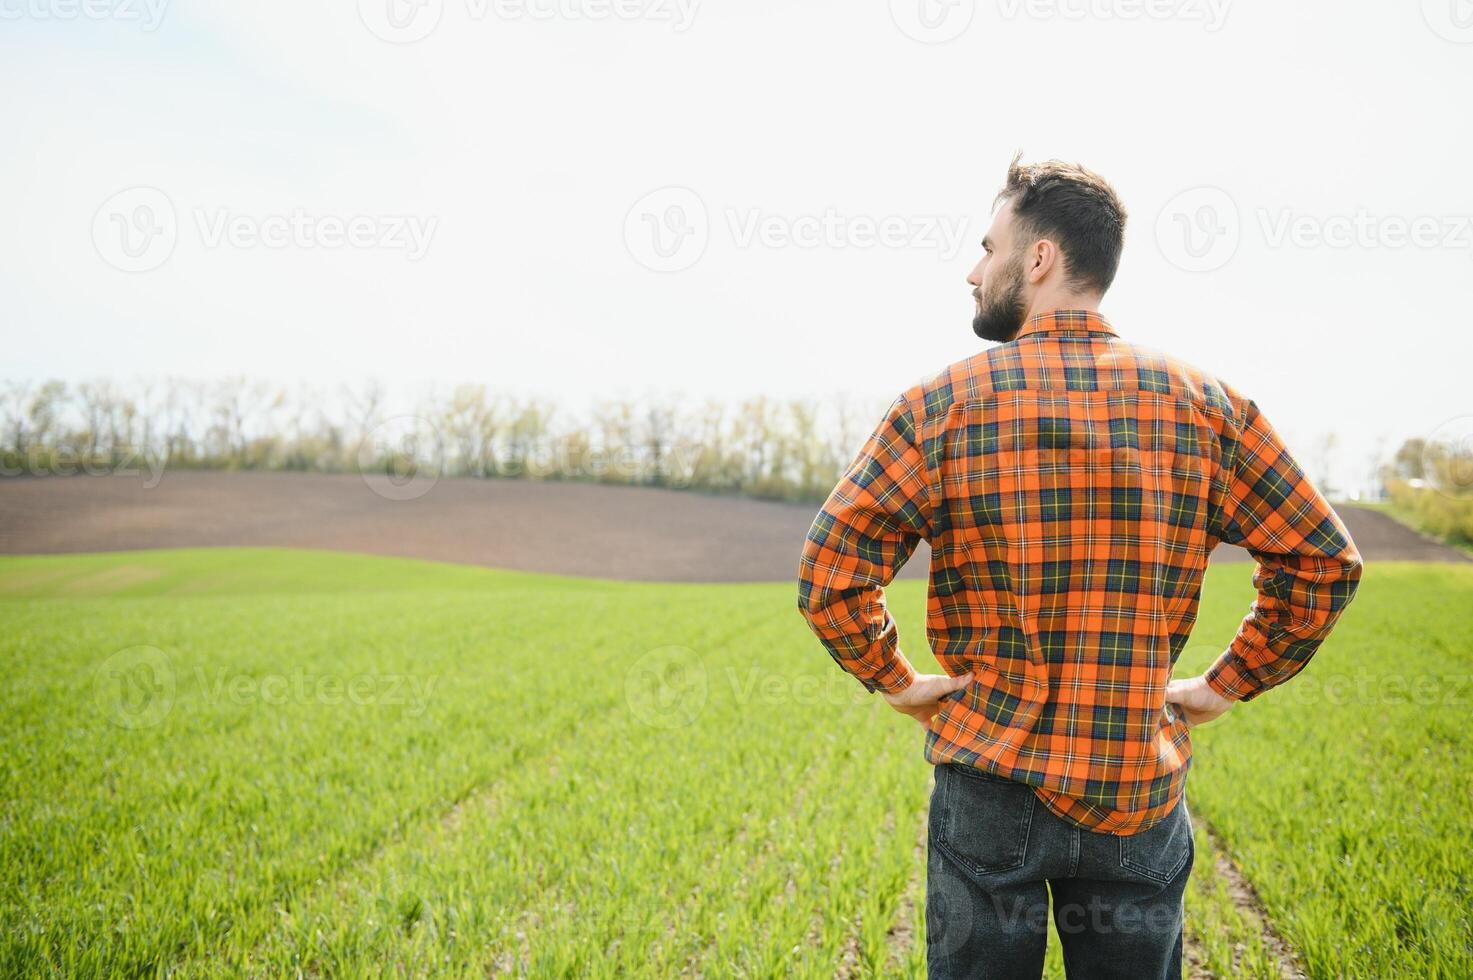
[1000, 313]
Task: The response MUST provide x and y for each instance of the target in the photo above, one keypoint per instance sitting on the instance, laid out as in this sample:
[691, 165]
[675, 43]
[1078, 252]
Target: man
[1071, 486]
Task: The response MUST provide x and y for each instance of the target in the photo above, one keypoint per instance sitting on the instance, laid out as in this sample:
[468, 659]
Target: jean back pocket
[1160, 852]
[979, 820]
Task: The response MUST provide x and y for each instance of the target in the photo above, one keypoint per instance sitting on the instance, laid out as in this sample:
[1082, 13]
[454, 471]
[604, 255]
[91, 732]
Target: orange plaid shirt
[1072, 487]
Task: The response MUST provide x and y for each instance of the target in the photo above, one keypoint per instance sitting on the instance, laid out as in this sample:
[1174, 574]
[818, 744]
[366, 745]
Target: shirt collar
[1068, 321]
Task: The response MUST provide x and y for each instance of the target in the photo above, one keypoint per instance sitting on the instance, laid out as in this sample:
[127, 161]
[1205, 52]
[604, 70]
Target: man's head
[1055, 242]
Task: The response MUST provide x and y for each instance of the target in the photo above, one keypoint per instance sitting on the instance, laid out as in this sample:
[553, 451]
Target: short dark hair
[1076, 207]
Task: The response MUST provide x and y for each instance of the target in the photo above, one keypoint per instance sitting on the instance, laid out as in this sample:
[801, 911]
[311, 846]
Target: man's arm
[1307, 573]
[861, 538]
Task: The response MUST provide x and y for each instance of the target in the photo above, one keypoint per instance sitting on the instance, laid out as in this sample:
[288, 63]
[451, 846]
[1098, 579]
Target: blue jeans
[996, 852]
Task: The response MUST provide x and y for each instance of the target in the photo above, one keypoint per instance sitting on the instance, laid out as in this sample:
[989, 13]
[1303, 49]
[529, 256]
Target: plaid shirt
[1072, 487]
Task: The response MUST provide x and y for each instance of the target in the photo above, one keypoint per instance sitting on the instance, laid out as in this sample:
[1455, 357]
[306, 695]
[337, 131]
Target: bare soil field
[614, 532]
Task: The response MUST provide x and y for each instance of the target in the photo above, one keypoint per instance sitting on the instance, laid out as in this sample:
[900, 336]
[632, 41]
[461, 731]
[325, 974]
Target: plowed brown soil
[565, 528]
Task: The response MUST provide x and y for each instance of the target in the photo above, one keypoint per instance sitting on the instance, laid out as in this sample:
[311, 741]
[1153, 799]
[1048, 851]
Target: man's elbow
[1346, 581]
[1352, 566]
[811, 596]
[810, 601]
[825, 611]
[803, 606]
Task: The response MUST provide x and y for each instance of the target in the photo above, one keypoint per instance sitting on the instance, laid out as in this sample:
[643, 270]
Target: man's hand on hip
[1195, 701]
[922, 699]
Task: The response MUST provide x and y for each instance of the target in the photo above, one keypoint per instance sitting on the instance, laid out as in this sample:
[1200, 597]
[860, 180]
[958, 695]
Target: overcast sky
[580, 198]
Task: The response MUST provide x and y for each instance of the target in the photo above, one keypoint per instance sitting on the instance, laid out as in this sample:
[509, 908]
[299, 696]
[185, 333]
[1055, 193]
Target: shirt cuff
[892, 678]
[1229, 677]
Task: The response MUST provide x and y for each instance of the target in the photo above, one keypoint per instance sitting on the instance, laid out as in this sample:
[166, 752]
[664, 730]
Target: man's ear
[1042, 257]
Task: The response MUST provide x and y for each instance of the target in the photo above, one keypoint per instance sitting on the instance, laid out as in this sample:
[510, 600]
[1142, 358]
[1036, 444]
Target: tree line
[794, 449]
[1429, 483]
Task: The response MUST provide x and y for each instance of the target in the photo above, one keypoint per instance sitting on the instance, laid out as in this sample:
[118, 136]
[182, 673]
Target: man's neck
[1051, 301]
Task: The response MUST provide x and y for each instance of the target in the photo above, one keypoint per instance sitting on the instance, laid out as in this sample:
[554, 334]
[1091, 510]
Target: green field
[262, 761]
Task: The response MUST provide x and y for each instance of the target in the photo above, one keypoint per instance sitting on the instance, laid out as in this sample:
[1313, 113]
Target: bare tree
[17, 401]
[761, 446]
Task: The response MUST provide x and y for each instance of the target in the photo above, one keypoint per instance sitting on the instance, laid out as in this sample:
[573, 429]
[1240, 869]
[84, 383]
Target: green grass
[267, 761]
[1344, 795]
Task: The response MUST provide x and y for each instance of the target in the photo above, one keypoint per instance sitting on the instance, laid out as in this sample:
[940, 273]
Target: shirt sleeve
[861, 538]
[1308, 567]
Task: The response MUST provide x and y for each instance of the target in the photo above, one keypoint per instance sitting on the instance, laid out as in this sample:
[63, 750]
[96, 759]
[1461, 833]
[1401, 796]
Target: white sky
[518, 135]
